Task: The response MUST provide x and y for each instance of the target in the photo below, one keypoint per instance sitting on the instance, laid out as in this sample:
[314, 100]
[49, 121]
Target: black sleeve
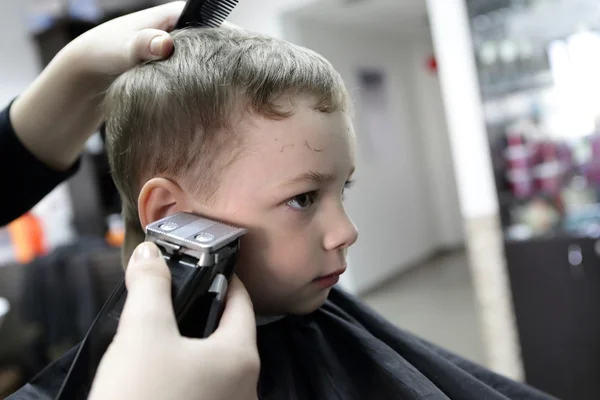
[25, 180]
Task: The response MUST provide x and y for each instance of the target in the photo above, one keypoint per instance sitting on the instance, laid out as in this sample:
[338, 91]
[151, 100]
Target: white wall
[428, 108]
[392, 202]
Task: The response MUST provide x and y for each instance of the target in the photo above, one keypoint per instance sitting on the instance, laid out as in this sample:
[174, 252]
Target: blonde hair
[167, 118]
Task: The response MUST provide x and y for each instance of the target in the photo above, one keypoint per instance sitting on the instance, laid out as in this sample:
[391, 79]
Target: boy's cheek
[278, 248]
[284, 266]
[274, 276]
[280, 281]
[275, 263]
[295, 259]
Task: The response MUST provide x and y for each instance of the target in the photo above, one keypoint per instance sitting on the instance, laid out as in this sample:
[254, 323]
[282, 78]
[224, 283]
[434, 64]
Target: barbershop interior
[476, 194]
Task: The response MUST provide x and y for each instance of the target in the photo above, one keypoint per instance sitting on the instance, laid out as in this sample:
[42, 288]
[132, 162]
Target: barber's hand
[148, 359]
[57, 113]
[122, 43]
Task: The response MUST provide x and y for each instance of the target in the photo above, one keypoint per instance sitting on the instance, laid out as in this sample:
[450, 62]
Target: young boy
[246, 130]
[257, 132]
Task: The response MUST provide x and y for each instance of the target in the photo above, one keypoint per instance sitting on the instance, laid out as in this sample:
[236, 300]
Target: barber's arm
[148, 359]
[51, 121]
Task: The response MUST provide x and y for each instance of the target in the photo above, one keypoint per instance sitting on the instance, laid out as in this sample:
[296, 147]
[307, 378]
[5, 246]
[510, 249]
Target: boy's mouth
[329, 280]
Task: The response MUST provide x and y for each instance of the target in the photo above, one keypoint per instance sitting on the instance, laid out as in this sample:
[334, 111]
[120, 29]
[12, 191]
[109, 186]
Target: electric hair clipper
[201, 255]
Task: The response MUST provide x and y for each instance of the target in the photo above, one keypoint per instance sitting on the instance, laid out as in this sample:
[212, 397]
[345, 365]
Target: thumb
[148, 305]
[151, 44]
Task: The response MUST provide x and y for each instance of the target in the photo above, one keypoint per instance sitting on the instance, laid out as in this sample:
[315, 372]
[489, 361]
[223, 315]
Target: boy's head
[248, 130]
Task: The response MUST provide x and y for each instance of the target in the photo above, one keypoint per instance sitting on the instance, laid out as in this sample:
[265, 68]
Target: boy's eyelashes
[306, 200]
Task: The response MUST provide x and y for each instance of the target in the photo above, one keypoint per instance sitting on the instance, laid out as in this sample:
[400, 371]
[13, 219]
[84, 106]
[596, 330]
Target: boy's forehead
[306, 129]
[308, 140]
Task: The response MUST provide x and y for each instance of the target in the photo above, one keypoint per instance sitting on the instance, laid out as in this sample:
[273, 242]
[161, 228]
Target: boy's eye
[302, 201]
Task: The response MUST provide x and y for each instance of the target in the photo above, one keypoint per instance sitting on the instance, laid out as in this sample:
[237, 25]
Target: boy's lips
[327, 281]
[336, 273]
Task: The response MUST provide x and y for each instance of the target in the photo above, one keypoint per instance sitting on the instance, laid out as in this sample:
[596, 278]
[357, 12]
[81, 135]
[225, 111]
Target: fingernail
[156, 45]
[146, 251]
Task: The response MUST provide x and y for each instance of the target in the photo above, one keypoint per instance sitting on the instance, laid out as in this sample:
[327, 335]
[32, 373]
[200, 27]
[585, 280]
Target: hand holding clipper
[193, 369]
[201, 255]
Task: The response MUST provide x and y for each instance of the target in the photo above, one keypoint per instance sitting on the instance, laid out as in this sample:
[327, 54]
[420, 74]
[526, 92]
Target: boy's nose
[342, 234]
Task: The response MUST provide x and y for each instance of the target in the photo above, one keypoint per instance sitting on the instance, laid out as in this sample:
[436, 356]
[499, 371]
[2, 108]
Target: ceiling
[380, 15]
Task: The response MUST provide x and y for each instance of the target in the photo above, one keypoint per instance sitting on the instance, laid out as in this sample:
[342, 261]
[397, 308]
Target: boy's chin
[299, 307]
[309, 305]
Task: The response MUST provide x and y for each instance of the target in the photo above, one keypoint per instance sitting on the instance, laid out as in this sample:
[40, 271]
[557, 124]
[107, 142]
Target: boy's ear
[159, 198]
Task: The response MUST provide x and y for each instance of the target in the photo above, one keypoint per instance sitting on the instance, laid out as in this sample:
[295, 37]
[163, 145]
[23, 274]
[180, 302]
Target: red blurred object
[432, 65]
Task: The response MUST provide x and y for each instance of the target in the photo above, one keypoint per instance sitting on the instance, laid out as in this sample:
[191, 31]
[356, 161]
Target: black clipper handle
[199, 297]
[198, 300]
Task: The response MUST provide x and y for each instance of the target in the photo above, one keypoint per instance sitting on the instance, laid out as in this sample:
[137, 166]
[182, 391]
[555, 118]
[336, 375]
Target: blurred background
[478, 180]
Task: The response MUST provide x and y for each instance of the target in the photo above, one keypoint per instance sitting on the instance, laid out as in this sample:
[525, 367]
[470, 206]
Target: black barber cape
[345, 351]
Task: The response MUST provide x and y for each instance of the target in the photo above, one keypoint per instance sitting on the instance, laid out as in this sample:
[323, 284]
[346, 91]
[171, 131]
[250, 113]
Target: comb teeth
[205, 13]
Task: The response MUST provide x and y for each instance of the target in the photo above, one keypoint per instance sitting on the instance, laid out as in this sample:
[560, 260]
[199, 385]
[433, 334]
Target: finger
[148, 305]
[151, 44]
[238, 321]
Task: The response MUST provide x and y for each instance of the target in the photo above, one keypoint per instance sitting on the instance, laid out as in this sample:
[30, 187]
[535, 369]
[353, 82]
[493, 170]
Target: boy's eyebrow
[309, 176]
[312, 176]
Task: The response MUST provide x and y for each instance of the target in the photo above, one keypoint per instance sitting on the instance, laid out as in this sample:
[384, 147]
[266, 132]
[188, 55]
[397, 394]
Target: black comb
[205, 13]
